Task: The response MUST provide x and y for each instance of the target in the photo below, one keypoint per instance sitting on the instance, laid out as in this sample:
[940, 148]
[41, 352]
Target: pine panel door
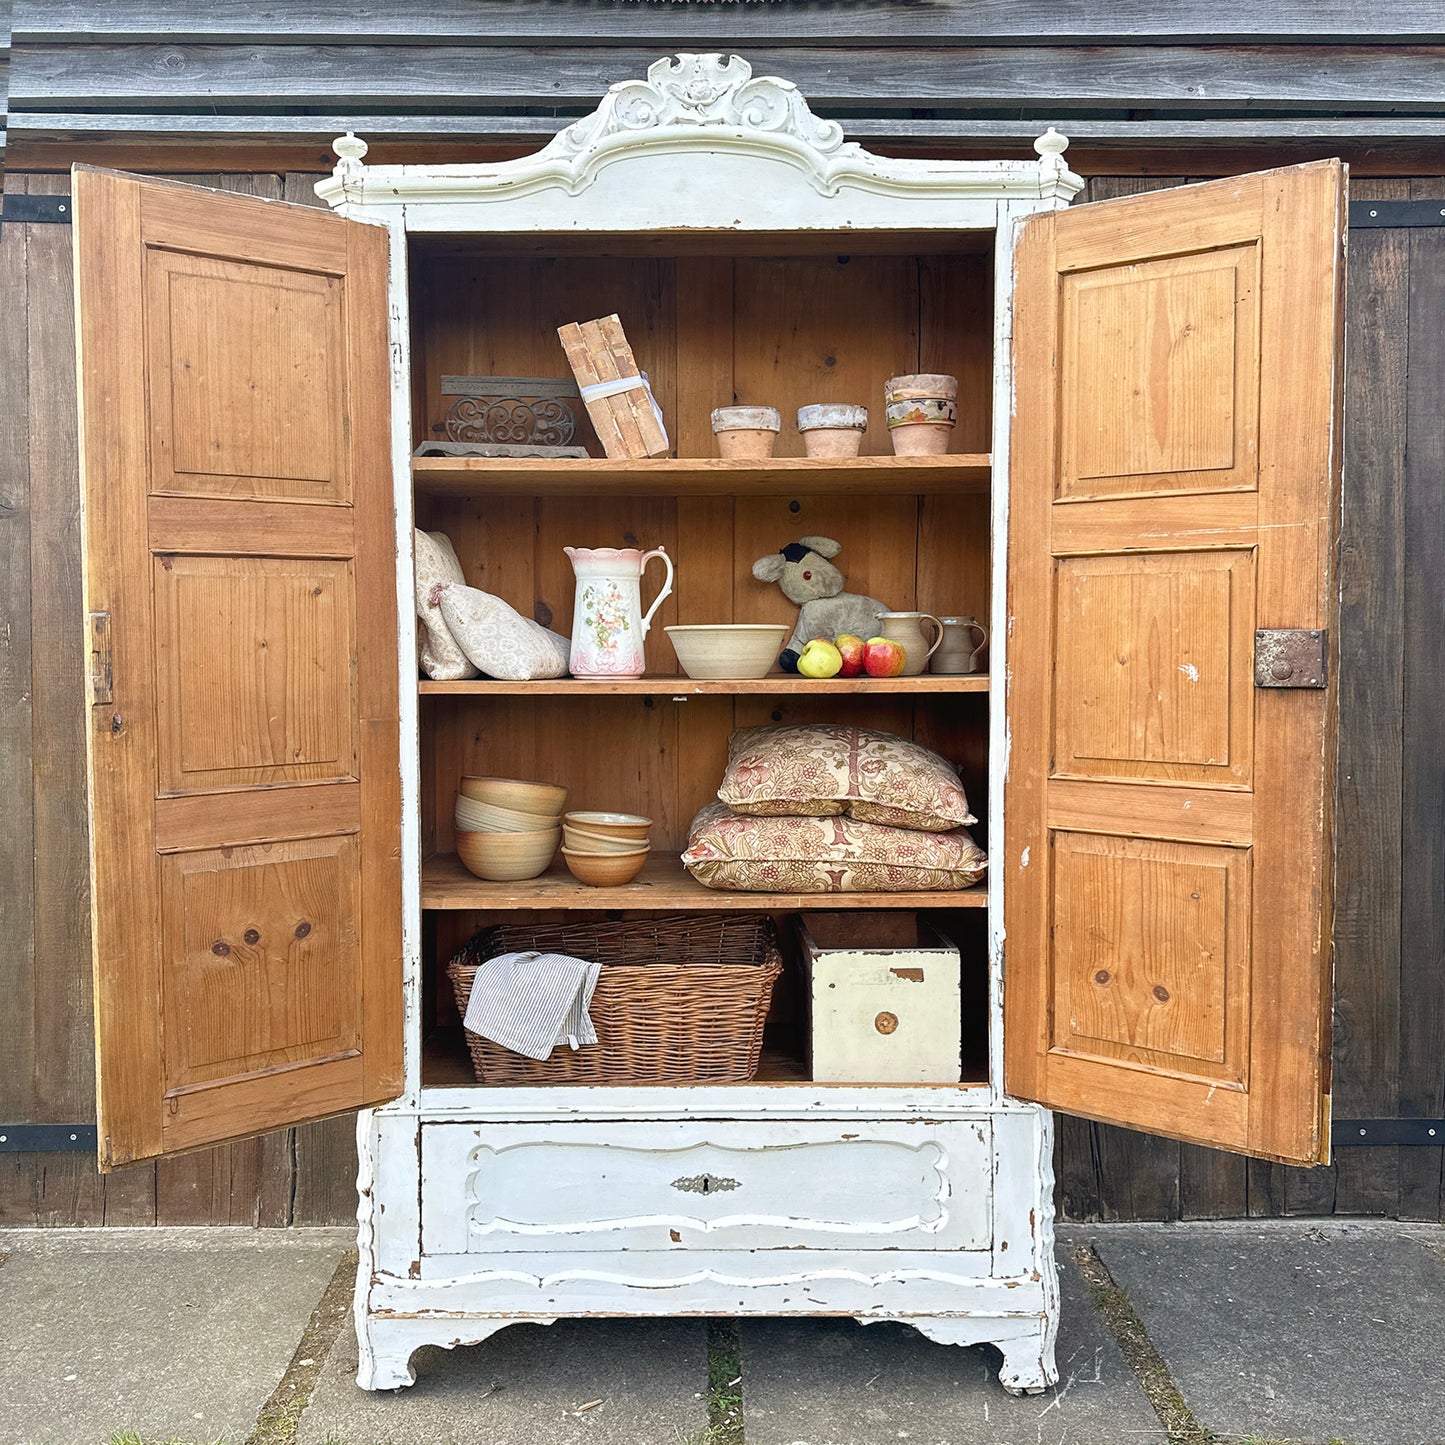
[1174, 487]
[240, 589]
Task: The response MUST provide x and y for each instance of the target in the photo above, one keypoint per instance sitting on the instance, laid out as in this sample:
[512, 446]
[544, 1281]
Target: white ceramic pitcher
[608, 623]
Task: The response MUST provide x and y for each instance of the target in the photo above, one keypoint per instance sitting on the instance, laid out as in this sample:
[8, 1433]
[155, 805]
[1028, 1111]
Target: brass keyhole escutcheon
[886, 1022]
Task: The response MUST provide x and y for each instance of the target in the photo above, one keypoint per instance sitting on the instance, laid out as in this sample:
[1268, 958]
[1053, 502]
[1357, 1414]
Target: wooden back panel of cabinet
[755, 329]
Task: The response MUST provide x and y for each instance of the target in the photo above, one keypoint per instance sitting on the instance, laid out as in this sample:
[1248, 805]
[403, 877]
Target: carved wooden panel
[1173, 487]
[1153, 666]
[715, 1186]
[1151, 963]
[260, 966]
[1159, 371]
[246, 376]
[255, 671]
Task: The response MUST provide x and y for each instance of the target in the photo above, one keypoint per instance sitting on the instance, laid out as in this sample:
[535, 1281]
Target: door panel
[1150, 682]
[244, 764]
[246, 379]
[1155, 392]
[254, 672]
[1174, 487]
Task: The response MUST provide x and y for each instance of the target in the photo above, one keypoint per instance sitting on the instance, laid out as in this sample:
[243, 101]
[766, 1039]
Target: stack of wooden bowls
[507, 828]
[605, 849]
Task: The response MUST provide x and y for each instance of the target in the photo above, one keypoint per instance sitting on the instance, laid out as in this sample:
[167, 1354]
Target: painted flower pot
[922, 411]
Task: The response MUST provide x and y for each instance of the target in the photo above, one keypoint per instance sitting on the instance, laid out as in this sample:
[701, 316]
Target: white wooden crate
[884, 1004]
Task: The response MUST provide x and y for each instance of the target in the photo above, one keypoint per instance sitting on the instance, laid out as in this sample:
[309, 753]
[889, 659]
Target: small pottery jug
[964, 638]
[906, 629]
[608, 623]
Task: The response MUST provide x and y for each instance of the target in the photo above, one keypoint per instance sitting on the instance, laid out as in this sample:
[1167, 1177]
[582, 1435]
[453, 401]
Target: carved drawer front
[838, 1185]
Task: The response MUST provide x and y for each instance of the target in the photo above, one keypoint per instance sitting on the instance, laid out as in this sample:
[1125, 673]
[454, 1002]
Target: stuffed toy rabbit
[806, 576]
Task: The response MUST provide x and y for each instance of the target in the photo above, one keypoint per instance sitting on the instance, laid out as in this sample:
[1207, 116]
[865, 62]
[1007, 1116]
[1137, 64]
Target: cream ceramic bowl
[580, 840]
[614, 825]
[548, 799]
[485, 818]
[508, 857]
[728, 649]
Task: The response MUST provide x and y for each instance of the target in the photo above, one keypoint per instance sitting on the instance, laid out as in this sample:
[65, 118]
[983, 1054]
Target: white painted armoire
[1140, 504]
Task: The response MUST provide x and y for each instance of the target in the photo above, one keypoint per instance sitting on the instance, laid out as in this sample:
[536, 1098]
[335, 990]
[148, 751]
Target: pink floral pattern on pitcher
[605, 615]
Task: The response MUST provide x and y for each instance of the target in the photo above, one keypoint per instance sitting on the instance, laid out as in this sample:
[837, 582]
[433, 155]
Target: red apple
[884, 658]
[854, 651]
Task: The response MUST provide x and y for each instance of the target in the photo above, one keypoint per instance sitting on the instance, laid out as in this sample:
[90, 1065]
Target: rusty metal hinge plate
[1290, 657]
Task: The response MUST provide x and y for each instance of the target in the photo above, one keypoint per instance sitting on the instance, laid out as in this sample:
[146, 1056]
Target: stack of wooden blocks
[626, 423]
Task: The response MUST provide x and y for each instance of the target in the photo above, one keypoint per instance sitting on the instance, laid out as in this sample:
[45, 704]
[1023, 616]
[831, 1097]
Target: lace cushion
[438, 654]
[498, 639]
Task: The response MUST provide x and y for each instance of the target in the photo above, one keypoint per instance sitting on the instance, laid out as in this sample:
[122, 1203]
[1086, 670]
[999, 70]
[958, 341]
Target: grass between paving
[280, 1415]
[724, 1386]
[1139, 1352]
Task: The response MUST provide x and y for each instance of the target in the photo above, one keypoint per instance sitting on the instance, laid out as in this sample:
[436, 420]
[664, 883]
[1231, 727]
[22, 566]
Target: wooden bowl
[729, 649]
[548, 799]
[580, 840]
[605, 870]
[507, 857]
[477, 817]
[612, 825]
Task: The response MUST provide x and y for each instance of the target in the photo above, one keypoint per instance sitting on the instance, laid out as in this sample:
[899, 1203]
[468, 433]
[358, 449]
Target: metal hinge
[1367, 214]
[1400, 1133]
[1290, 657]
[102, 671]
[35, 210]
[47, 1138]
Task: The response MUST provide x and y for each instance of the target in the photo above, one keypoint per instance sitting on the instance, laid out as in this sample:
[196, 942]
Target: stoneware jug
[964, 638]
[608, 623]
[906, 629]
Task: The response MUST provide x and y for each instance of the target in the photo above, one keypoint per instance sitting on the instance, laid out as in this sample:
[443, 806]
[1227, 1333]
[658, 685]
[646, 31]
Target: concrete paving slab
[523, 1387]
[1314, 1332]
[834, 1382]
[175, 1334]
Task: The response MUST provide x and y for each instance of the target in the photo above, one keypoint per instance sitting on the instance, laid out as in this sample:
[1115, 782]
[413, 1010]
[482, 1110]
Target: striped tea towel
[531, 1002]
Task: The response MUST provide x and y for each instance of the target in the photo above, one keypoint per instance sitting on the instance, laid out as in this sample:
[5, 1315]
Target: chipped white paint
[480, 1208]
[1024, 858]
[1190, 671]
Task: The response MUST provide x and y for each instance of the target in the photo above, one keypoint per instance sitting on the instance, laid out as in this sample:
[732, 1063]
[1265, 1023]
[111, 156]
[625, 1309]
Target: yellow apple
[820, 658]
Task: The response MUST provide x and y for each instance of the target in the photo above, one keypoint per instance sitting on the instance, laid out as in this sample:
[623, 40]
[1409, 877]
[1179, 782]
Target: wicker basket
[680, 1000]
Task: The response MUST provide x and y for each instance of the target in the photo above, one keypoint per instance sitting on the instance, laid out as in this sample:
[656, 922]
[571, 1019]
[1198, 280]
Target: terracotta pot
[832, 429]
[922, 409]
[746, 431]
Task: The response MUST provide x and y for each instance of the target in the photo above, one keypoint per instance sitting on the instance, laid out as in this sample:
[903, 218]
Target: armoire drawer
[711, 1185]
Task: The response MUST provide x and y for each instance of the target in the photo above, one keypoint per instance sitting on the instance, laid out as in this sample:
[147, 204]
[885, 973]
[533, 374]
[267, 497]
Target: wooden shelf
[780, 684]
[664, 884]
[702, 477]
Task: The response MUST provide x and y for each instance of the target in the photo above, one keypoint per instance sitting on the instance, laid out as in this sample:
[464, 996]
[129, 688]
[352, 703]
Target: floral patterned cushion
[744, 854]
[820, 770]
